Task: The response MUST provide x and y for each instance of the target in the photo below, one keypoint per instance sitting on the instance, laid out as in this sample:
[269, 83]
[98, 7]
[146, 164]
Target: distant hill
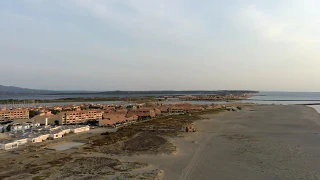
[13, 89]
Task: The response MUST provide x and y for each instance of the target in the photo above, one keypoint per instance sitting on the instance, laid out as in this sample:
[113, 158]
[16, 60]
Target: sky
[160, 44]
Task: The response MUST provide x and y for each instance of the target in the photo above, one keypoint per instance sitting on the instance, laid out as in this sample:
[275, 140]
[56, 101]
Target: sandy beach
[262, 142]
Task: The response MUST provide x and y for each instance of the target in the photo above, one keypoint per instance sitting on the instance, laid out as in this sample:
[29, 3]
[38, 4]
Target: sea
[286, 98]
[263, 97]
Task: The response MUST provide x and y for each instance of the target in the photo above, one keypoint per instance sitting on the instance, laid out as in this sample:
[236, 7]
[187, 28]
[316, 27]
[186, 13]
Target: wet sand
[262, 142]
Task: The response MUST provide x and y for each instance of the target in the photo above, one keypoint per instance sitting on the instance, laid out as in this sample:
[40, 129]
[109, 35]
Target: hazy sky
[160, 44]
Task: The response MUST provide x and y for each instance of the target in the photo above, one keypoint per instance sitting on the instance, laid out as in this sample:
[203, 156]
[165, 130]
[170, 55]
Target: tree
[9, 127]
[56, 122]
[55, 112]
[33, 113]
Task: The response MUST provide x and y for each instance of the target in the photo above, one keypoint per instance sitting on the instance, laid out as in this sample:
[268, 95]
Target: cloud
[291, 25]
[157, 21]
[5, 14]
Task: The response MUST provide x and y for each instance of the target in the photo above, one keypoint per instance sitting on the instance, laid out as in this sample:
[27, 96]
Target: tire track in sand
[196, 156]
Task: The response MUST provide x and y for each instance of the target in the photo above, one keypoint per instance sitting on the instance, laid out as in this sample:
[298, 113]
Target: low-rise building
[177, 110]
[14, 114]
[8, 145]
[110, 119]
[142, 113]
[19, 127]
[79, 129]
[21, 141]
[35, 139]
[44, 136]
[75, 117]
[56, 135]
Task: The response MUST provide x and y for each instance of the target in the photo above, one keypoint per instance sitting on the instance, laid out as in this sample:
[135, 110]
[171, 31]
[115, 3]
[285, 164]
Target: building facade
[14, 114]
[75, 117]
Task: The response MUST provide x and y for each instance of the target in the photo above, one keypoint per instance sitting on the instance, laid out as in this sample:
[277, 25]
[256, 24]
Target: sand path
[196, 156]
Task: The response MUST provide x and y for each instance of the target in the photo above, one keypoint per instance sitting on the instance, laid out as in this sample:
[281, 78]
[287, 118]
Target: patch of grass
[96, 166]
[38, 178]
[145, 141]
[60, 161]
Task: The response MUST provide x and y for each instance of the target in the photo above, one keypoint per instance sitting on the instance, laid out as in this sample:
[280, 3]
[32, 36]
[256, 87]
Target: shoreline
[315, 107]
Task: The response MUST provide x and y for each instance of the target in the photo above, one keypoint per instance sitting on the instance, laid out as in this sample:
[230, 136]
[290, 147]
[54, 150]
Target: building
[19, 127]
[177, 110]
[117, 118]
[14, 114]
[153, 110]
[184, 108]
[164, 110]
[76, 117]
[79, 129]
[44, 136]
[110, 119]
[7, 145]
[35, 139]
[21, 141]
[143, 113]
[56, 135]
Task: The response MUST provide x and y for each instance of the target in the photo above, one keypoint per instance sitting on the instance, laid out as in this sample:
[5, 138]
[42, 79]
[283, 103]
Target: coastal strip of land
[138, 98]
[256, 142]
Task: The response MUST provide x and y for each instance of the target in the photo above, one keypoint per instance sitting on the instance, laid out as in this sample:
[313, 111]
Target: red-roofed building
[142, 113]
[115, 118]
[73, 117]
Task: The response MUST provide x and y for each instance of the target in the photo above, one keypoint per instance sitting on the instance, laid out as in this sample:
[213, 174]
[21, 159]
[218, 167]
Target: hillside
[13, 89]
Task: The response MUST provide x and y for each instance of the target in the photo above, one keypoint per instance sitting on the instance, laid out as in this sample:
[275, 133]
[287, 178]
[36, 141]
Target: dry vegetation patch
[146, 136]
[148, 142]
[92, 167]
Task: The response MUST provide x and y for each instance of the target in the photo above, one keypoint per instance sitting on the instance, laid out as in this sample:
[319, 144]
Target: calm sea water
[58, 96]
[284, 98]
[62, 103]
